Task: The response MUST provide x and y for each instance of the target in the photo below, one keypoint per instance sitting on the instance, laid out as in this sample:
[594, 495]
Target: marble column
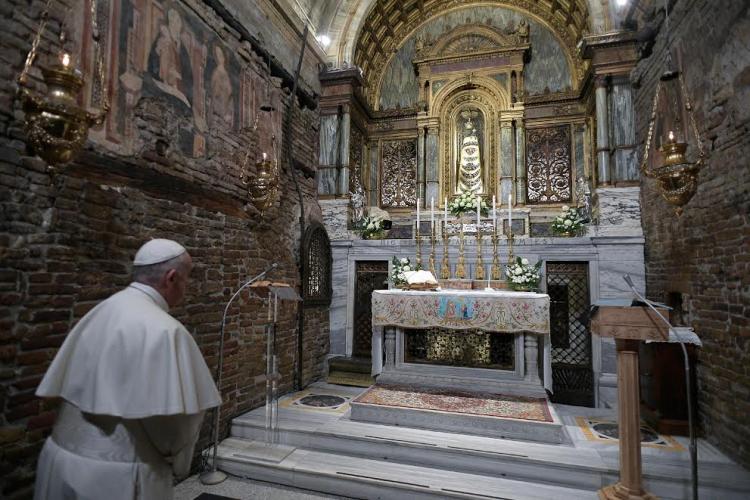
[520, 195]
[623, 130]
[432, 172]
[531, 358]
[421, 162]
[507, 163]
[343, 175]
[602, 132]
[390, 348]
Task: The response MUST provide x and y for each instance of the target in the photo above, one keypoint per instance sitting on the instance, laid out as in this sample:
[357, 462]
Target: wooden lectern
[628, 326]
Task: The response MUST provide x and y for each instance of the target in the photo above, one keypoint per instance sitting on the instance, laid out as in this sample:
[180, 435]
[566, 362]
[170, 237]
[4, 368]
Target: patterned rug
[472, 403]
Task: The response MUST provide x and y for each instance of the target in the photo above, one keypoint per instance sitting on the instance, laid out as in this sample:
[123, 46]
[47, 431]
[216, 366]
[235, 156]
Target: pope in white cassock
[134, 387]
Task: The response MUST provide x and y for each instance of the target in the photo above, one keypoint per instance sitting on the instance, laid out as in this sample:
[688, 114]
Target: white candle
[432, 213]
[479, 210]
[510, 212]
[494, 213]
[417, 215]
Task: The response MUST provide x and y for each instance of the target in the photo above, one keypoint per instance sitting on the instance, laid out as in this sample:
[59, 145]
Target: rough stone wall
[67, 241]
[704, 255]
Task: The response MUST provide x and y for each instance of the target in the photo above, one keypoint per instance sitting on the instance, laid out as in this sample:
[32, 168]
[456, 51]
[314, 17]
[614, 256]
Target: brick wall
[67, 240]
[704, 254]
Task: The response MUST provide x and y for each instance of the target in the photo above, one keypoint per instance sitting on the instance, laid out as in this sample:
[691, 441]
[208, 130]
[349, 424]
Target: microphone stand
[215, 476]
[693, 443]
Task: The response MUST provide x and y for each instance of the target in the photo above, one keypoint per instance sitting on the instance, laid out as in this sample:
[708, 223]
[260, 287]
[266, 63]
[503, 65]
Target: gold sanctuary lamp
[672, 135]
[263, 187]
[55, 124]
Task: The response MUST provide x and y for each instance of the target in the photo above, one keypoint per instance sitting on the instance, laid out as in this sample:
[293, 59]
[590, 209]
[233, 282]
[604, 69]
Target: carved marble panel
[548, 165]
[399, 174]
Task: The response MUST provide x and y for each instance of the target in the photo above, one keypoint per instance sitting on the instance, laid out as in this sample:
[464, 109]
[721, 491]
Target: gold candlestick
[432, 250]
[510, 246]
[460, 270]
[495, 260]
[419, 249]
[479, 273]
[445, 268]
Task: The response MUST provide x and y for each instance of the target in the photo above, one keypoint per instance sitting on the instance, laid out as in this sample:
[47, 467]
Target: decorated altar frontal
[397, 313]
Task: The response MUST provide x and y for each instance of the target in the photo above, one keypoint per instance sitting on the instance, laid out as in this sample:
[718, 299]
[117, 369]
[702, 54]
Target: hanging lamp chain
[31, 56]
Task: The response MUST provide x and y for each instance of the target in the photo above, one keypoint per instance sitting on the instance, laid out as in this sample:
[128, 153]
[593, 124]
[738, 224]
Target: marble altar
[523, 314]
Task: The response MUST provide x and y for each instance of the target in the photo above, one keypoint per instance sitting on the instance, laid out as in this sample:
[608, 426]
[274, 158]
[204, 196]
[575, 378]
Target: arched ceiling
[357, 27]
[389, 23]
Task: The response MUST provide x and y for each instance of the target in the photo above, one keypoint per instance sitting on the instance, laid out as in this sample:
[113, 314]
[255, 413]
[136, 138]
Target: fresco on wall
[547, 71]
[167, 66]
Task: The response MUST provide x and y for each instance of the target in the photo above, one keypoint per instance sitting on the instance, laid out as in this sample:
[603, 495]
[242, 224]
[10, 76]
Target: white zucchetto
[156, 251]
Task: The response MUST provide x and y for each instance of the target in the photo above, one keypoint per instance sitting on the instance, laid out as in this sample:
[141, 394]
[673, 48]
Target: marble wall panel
[329, 139]
[623, 126]
[340, 281]
[336, 215]
[619, 212]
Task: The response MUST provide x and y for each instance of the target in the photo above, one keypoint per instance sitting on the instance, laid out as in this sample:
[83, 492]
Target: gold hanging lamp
[56, 126]
[674, 152]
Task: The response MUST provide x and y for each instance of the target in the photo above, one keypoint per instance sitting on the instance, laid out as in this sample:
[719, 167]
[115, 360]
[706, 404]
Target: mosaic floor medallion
[606, 431]
[316, 400]
[321, 401]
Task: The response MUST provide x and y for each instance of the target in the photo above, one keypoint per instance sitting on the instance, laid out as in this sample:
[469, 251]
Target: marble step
[561, 465]
[551, 464]
[358, 477]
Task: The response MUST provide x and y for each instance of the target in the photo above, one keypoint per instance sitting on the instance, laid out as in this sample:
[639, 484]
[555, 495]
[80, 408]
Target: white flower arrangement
[400, 267]
[568, 222]
[370, 227]
[467, 202]
[523, 276]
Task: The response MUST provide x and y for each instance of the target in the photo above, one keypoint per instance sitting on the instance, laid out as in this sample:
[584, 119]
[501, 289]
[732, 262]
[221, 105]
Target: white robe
[135, 387]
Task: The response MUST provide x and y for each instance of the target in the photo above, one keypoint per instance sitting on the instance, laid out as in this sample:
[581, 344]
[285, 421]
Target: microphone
[215, 476]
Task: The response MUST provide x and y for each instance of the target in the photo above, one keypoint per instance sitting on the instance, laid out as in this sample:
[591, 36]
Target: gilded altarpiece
[467, 77]
[398, 174]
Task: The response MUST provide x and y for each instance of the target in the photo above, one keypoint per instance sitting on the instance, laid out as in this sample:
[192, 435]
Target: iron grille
[469, 348]
[371, 275]
[399, 174]
[548, 164]
[317, 289]
[572, 373]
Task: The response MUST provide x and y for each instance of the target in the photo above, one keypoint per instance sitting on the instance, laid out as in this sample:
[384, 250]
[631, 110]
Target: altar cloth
[491, 311]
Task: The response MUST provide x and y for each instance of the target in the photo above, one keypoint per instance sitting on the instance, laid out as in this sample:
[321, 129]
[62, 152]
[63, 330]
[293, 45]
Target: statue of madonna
[469, 176]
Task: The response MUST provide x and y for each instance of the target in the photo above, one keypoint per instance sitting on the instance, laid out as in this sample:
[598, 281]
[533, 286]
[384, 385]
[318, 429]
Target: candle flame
[65, 60]
[264, 156]
[671, 136]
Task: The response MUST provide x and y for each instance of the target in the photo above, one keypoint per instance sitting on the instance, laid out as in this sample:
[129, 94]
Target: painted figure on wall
[469, 178]
[222, 99]
[169, 61]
